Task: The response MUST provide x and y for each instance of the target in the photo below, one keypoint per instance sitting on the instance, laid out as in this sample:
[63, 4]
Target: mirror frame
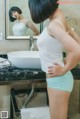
[17, 37]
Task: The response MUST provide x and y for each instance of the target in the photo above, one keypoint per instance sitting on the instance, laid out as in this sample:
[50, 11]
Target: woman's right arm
[33, 28]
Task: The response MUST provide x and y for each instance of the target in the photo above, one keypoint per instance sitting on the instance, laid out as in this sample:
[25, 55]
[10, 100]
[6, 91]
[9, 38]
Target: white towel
[35, 113]
[4, 62]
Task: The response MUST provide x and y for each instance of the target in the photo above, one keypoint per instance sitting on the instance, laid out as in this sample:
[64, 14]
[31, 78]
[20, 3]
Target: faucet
[32, 45]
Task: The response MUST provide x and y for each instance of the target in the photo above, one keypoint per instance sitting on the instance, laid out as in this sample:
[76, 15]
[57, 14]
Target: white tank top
[19, 29]
[50, 50]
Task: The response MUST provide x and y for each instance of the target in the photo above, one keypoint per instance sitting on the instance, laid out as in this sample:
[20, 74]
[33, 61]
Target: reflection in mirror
[18, 20]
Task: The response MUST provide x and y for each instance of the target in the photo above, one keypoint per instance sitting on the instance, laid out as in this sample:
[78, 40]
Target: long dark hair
[14, 8]
[41, 9]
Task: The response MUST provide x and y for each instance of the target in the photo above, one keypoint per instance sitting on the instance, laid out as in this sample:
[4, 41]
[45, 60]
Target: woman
[22, 24]
[56, 36]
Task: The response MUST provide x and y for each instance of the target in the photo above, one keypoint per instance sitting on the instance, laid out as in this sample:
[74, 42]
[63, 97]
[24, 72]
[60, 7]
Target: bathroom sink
[25, 59]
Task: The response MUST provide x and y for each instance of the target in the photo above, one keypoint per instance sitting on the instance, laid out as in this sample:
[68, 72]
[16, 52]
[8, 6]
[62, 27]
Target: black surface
[11, 73]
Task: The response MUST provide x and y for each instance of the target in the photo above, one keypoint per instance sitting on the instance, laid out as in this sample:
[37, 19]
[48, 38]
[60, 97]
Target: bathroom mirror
[10, 31]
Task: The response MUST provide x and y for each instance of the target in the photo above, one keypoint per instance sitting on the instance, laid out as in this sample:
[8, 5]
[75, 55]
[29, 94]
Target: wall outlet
[1, 36]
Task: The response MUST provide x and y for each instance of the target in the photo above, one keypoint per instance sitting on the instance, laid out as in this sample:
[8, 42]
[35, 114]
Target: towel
[4, 62]
[35, 113]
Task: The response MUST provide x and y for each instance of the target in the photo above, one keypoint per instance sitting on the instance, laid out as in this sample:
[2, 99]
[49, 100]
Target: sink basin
[25, 59]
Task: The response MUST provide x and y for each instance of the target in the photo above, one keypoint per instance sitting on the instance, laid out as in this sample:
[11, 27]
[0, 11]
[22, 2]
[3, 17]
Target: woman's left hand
[55, 70]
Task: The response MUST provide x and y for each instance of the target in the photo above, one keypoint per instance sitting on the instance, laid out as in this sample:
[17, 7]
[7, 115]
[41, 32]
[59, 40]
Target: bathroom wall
[72, 11]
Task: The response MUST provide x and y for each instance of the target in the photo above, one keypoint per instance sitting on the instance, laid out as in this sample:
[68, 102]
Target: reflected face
[15, 14]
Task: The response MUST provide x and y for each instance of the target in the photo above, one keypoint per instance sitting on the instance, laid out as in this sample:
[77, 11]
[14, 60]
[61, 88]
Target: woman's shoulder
[58, 22]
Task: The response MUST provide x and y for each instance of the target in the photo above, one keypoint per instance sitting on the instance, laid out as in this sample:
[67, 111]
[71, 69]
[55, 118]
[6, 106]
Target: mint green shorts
[64, 82]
